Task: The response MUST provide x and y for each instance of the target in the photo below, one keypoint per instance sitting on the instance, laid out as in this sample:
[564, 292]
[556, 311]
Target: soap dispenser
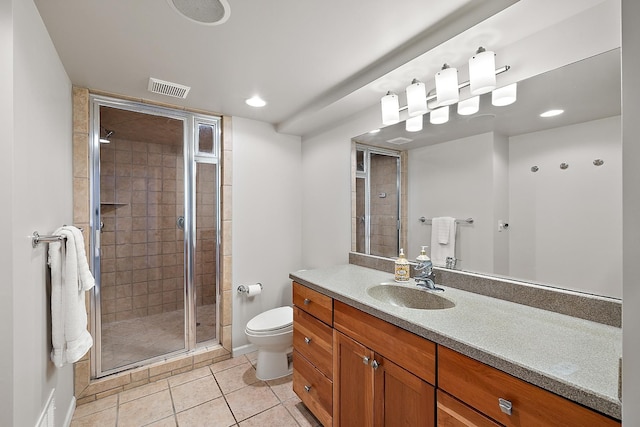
[402, 268]
[423, 255]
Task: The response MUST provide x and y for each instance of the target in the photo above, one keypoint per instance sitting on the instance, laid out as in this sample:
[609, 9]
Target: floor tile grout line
[225, 399]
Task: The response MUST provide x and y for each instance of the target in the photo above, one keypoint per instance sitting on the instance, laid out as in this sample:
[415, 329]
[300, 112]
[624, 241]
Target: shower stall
[155, 233]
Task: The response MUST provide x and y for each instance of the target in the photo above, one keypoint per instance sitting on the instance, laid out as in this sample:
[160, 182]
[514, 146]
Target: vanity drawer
[453, 413]
[412, 352]
[314, 303]
[480, 386]
[313, 388]
[314, 340]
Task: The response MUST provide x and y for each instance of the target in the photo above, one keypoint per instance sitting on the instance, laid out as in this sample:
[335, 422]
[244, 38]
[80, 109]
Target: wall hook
[598, 162]
[564, 165]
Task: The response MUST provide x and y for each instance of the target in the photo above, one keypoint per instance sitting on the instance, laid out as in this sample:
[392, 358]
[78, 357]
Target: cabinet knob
[307, 301]
[505, 406]
[375, 364]
[365, 360]
[307, 340]
[307, 388]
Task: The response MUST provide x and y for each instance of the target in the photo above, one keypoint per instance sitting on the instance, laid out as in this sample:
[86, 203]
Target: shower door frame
[365, 175]
[191, 156]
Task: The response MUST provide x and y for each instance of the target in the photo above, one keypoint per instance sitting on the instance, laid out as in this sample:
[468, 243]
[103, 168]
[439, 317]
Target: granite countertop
[572, 357]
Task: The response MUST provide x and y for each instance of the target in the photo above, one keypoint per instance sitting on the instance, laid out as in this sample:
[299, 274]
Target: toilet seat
[271, 322]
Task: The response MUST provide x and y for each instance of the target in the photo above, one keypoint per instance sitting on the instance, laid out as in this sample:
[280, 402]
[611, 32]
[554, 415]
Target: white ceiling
[312, 61]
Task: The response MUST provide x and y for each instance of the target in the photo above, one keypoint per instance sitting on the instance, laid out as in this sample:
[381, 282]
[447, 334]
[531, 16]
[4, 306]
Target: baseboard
[70, 411]
[244, 349]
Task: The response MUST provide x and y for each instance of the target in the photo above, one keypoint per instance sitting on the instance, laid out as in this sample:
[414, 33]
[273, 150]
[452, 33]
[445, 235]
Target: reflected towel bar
[458, 221]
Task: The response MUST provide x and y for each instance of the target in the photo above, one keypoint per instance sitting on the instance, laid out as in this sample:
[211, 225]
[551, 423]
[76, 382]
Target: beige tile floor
[224, 394]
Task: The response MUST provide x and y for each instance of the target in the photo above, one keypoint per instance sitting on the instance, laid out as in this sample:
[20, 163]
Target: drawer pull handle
[307, 340]
[375, 364]
[505, 406]
[307, 301]
[307, 388]
[365, 360]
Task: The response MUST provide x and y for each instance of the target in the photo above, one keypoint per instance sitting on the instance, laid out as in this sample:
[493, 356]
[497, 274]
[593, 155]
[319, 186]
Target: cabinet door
[401, 398]
[352, 383]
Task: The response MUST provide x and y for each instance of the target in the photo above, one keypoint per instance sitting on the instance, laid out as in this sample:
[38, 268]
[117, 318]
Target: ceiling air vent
[399, 140]
[168, 88]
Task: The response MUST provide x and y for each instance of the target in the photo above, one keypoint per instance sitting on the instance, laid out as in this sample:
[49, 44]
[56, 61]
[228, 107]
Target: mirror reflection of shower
[378, 197]
[158, 275]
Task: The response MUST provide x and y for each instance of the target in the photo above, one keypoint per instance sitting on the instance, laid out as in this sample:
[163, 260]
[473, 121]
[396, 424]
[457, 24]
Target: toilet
[272, 333]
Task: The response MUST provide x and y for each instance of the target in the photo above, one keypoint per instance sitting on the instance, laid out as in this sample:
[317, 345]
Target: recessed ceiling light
[256, 101]
[551, 113]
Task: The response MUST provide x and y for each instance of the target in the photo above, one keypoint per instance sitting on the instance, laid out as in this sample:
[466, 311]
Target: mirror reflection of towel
[443, 240]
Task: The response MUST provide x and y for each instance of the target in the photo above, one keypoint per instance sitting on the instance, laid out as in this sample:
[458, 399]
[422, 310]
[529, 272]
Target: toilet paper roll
[254, 290]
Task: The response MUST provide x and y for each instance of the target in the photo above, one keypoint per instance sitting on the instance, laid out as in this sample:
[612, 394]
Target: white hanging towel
[70, 278]
[443, 240]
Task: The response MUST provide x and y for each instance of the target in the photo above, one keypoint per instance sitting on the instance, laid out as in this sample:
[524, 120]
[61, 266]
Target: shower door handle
[180, 222]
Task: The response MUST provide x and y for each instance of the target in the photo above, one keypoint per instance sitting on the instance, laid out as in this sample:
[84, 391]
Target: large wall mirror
[545, 194]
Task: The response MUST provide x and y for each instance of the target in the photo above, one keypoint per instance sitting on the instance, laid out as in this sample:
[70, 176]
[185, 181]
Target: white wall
[6, 215]
[566, 225]
[326, 196]
[38, 193]
[266, 232]
[631, 211]
[455, 179]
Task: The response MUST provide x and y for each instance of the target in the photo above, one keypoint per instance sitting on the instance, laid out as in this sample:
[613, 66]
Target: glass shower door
[141, 239]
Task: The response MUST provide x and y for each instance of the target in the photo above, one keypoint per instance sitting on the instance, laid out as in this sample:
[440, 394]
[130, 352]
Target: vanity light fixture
[482, 79]
[416, 98]
[551, 113]
[439, 115]
[482, 72]
[447, 86]
[107, 135]
[469, 106]
[390, 109]
[256, 101]
[505, 95]
[414, 124]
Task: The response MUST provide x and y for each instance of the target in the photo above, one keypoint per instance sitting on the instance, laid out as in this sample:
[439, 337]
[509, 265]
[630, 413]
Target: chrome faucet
[426, 279]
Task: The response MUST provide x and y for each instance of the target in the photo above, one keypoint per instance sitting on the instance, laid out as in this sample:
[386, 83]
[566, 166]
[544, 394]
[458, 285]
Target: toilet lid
[271, 320]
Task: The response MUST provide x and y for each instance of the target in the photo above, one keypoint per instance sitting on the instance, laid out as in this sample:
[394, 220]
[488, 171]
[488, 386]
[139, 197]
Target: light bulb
[414, 124]
[447, 86]
[416, 98]
[482, 72]
[505, 95]
[469, 106]
[439, 115]
[390, 109]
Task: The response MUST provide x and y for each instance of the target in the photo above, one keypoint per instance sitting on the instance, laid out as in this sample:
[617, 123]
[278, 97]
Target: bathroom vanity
[362, 359]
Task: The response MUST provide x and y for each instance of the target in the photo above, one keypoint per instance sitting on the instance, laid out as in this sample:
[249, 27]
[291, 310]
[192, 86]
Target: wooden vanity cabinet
[313, 351]
[507, 399]
[383, 374]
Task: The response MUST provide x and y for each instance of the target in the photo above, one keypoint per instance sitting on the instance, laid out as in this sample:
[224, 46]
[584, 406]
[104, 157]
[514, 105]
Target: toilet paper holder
[244, 289]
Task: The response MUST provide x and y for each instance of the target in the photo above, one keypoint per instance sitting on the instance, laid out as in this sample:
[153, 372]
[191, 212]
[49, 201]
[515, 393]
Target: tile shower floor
[224, 394]
[133, 340]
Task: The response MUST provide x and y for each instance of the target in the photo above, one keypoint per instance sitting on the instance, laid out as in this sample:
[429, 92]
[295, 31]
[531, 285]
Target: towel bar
[458, 221]
[36, 238]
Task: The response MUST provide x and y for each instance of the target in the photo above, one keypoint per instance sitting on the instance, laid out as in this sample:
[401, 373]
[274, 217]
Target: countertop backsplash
[595, 308]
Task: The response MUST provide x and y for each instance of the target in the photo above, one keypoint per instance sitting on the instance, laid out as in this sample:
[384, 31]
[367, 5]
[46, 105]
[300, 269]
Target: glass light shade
[439, 115]
[447, 86]
[416, 98]
[390, 109]
[482, 73]
[505, 95]
[414, 124]
[469, 106]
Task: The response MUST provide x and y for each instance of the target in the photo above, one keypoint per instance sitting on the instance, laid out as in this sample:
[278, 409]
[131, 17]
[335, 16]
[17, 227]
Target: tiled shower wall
[142, 248]
[384, 205]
